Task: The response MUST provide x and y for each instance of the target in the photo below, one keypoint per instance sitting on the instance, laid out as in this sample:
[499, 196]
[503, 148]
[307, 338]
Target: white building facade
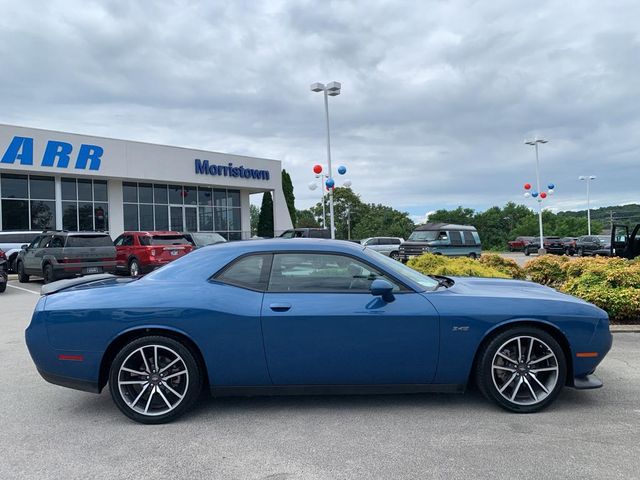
[66, 181]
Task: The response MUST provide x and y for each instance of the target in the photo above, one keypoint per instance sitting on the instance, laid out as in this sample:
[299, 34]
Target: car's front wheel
[394, 255]
[522, 369]
[154, 379]
[526, 252]
[134, 268]
[48, 274]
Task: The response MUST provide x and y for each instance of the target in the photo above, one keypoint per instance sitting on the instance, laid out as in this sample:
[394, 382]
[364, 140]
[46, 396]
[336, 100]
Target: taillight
[153, 252]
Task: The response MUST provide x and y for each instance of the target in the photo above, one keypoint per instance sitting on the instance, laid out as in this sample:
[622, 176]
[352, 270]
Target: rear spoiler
[54, 287]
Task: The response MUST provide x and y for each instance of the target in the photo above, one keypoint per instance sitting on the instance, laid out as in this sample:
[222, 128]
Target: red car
[519, 243]
[141, 252]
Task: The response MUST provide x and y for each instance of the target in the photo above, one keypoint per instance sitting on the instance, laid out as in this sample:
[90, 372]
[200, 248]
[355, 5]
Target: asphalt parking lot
[53, 432]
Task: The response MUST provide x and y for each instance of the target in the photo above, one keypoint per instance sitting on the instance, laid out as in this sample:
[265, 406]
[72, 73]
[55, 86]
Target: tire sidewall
[22, 277]
[193, 390]
[484, 377]
[48, 274]
[131, 264]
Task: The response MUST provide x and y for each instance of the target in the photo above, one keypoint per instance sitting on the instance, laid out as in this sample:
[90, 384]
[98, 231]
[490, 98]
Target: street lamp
[534, 143]
[330, 89]
[588, 179]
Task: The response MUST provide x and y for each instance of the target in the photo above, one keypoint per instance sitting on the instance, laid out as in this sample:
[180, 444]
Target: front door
[32, 256]
[322, 326]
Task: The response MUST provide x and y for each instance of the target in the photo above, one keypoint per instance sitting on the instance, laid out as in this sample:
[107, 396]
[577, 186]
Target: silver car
[387, 245]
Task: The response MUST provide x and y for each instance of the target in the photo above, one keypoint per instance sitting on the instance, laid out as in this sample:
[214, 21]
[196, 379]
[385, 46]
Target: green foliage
[265, 220]
[504, 265]
[430, 264]
[621, 214]
[367, 219]
[547, 269]
[287, 189]
[305, 219]
[254, 215]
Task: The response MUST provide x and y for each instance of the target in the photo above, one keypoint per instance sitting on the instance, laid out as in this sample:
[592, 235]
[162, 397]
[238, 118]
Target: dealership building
[66, 181]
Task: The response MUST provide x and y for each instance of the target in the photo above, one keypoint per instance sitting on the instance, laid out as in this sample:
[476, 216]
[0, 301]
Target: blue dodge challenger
[310, 317]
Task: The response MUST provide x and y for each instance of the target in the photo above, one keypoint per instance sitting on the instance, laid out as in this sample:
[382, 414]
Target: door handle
[280, 307]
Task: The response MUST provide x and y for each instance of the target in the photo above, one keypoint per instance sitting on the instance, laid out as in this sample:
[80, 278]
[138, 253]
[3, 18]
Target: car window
[287, 234]
[423, 236]
[476, 237]
[163, 240]
[314, 272]
[373, 241]
[395, 241]
[118, 241]
[468, 238]
[36, 241]
[250, 272]
[455, 238]
[89, 241]
[56, 242]
[442, 236]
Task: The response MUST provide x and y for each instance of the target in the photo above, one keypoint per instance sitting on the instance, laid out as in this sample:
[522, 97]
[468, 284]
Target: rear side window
[89, 241]
[164, 240]
[468, 238]
[250, 272]
[395, 241]
[456, 238]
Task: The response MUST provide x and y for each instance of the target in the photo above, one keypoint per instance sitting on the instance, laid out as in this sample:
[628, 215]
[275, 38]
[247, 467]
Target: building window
[27, 202]
[85, 205]
[182, 207]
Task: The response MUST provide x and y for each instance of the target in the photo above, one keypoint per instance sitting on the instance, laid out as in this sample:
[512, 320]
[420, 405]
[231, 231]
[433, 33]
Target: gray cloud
[437, 96]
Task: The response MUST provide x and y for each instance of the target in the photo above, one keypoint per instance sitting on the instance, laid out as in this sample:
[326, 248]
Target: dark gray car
[57, 254]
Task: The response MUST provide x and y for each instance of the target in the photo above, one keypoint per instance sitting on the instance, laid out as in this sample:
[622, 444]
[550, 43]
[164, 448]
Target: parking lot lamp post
[588, 179]
[330, 89]
[534, 143]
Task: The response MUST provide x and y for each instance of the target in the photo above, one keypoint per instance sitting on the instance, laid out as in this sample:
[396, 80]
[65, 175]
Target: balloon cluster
[329, 183]
[541, 195]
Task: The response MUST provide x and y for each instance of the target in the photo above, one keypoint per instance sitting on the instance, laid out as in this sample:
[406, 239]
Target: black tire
[580, 252]
[526, 252]
[394, 255]
[22, 277]
[134, 267]
[3, 285]
[472, 256]
[48, 274]
[191, 386]
[487, 378]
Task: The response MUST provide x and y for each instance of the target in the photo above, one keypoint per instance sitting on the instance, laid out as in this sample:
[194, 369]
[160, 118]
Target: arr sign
[56, 154]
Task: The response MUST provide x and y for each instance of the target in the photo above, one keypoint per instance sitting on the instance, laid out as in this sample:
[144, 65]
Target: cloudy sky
[437, 96]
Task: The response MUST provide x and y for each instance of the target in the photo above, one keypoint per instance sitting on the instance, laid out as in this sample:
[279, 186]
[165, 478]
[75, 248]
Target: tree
[265, 220]
[343, 199]
[380, 220]
[460, 216]
[287, 189]
[254, 215]
[306, 219]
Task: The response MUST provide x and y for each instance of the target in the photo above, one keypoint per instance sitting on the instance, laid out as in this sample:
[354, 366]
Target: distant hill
[621, 214]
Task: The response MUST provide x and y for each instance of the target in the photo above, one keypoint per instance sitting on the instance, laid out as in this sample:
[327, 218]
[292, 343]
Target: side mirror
[382, 288]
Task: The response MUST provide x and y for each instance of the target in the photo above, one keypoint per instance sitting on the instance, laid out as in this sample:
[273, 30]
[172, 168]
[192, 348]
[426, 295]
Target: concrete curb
[625, 328]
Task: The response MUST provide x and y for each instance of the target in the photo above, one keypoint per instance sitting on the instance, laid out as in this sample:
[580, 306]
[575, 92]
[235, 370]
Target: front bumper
[587, 382]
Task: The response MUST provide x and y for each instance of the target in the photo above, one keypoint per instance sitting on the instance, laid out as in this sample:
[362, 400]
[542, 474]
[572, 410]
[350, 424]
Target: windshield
[164, 240]
[402, 271]
[423, 236]
[89, 241]
[207, 238]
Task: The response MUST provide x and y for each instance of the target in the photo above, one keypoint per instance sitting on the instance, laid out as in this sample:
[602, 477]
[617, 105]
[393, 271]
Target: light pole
[534, 143]
[588, 179]
[332, 89]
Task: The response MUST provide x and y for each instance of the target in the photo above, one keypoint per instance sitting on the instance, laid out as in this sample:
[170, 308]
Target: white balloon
[550, 191]
[527, 194]
[313, 185]
[347, 183]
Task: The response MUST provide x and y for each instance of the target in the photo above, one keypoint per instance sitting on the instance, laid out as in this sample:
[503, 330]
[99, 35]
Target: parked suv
[60, 254]
[389, 246]
[11, 243]
[518, 244]
[306, 233]
[593, 245]
[142, 252]
[442, 239]
[551, 245]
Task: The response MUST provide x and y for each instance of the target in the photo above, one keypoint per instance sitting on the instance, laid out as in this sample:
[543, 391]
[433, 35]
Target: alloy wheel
[525, 370]
[134, 269]
[153, 380]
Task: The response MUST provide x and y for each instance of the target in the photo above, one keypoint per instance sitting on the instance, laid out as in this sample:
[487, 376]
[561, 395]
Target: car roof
[444, 226]
[298, 244]
[152, 232]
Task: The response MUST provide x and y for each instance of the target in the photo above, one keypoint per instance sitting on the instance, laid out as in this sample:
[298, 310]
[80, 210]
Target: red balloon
[543, 195]
[527, 186]
[317, 169]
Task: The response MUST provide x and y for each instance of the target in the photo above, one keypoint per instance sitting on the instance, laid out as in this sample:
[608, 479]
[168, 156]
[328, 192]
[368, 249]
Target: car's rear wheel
[154, 379]
[394, 255]
[22, 277]
[48, 274]
[472, 256]
[523, 369]
[134, 268]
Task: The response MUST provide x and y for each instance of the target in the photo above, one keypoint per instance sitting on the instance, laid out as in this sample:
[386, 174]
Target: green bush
[547, 269]
[504, 265]
[430, 264]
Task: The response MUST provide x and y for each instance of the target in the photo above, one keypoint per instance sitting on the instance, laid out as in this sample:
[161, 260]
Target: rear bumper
[73, 269]
[75, 383]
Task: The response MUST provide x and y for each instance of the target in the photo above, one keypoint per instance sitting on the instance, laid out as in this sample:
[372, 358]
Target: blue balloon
[551, 186]
[330, 183]
[342, 169]
[534, 194]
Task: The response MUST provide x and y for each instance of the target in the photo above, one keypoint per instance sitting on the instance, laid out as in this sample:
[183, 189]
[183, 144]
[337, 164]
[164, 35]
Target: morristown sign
[60, 180]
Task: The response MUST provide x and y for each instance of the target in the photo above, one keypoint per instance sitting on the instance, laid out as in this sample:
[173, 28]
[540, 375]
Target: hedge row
[613, 284]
